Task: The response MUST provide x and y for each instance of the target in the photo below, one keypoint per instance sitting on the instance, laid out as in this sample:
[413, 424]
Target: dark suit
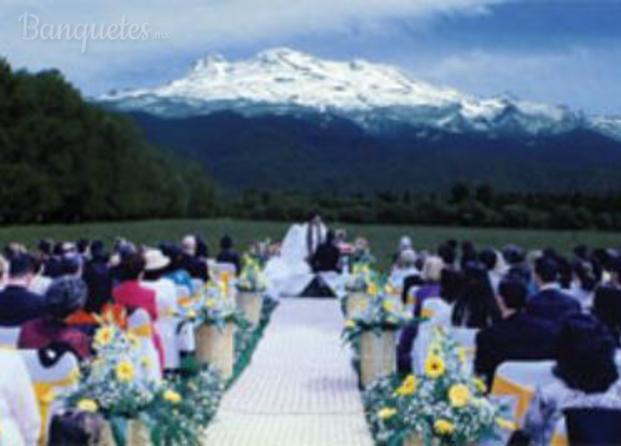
[326, 258]
[520, 337]
[231, 257]
[18, 305]
[552, 305]
[98, 279]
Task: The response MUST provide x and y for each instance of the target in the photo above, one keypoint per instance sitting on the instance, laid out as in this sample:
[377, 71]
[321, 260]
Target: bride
[290, 273]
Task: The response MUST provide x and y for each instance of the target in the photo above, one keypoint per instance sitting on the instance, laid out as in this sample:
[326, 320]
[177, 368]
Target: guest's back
[18, 304]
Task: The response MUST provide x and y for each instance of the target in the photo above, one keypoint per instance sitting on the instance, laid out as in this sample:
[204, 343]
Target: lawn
[383, 238]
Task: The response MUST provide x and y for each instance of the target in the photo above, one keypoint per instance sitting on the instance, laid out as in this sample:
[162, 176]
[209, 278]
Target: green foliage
[63, 159]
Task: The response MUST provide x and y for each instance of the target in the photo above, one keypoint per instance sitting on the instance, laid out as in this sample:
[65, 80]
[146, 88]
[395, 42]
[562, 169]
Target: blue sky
[556, 51]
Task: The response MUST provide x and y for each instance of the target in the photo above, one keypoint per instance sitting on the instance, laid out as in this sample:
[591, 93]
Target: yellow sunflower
[408, 386]
[386, 413]
[434, 366]
[210, 303]
[172, 397]
[350, 324]
[125, 371]
[459, 395]
[87, 405]
[104, 335]
[444, 427]
[372, 289]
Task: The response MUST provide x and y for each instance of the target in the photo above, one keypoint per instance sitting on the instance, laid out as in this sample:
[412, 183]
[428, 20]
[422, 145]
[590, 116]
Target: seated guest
[64, 297]
[403, 268]
[430, 275]
[195, 266]
[586, 373]
[550, 303]
[154, 278]
[476, 307]
[517, 337]
[515, 257]
[468, 254]
[17, 303]
[495, 265]
[448, 254]
[327, 256]
[51, 262]
[228, 254]
[607, 308]
[19, 414]
[404, 244]
[98, 278]
[176, 269]
[132, 294]
[584, 283]
[39, 283]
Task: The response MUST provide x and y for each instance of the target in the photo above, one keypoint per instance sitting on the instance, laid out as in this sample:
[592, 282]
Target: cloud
[582, 77]
[198, 27]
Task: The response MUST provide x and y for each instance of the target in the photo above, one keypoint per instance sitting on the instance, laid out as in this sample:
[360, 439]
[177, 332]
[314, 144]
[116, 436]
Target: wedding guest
[327, 256]
[430, 288]
[550, 303]
[18, 304]
[448, 254]
[39, 283]
[468, 253]
[19, 413]
[495, 265]
[404, 244]
[516, 337]
[176, 270]
[154, 278]
[607, 308]
[132, 294]
[476, 307]
[195, 266]
[64, 297]
[362, 251]
[586, 373]
[584, 283]
[228, 254]
[404, 267]
[98, 278]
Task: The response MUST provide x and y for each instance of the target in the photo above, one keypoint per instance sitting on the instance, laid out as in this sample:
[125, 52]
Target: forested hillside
[64, 159]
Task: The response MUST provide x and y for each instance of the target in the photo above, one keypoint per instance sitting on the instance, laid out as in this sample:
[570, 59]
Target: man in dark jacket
[550, 302]
[517, 337]
[228, 254]
[327, 256]
[17, 304]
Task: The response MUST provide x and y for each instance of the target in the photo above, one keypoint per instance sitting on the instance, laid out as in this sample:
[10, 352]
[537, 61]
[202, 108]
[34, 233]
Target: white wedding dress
[289, 273]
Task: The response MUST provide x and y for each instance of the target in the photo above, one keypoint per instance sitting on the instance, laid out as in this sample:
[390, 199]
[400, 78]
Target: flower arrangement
[113, 380]
[215, 307]
[115, 384]
[445, 406]
[380, 315]
[251, 279]
[362, 279]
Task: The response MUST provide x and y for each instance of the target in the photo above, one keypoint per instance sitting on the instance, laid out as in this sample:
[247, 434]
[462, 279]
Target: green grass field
[383, 238]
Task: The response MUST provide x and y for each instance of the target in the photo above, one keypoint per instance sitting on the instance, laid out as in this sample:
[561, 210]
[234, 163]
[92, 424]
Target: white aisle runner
[299, 389]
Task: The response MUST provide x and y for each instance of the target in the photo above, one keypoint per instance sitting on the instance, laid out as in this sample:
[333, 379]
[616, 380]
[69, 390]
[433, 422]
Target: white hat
[155, 259]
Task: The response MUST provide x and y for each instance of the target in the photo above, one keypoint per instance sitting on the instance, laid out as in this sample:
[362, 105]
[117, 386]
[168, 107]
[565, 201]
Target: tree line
[464, 205]
[63, 159]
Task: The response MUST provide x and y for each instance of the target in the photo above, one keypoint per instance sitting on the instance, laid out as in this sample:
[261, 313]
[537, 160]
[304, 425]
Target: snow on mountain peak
[283, 79]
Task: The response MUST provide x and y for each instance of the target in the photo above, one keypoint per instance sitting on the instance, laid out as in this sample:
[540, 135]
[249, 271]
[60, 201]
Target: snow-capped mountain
[284, 81]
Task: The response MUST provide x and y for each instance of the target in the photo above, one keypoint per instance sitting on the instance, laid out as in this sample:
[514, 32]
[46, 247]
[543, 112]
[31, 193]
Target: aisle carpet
[299, 390]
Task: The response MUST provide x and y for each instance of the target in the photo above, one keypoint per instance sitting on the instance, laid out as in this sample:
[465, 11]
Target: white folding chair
[438, 311]
[166, 325]
[139, 324]
[515, 382]
[50, 383]
[9, 336]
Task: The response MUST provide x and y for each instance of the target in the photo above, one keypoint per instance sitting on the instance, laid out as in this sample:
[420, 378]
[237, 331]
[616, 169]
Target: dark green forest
[63, 159]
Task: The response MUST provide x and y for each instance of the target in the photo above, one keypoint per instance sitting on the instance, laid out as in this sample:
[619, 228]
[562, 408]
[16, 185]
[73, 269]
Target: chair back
[186, 338]
[515, 383]
[139, 324]
[50, 383]
[9, 336]
[595, 427]
[437, 310]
